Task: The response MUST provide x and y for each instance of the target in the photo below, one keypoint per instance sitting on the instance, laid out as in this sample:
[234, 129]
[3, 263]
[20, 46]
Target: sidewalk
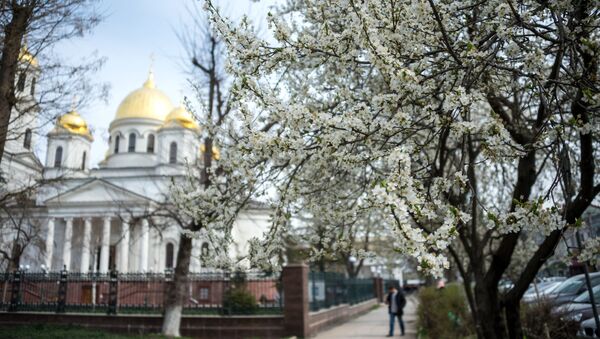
[375, 324]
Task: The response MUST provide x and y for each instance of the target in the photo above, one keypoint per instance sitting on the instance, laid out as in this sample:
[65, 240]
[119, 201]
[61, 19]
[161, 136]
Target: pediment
[97, 191]
[29, 159]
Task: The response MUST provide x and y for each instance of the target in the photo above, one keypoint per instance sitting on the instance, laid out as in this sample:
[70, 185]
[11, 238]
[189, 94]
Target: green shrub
[538, 321]
[444, 313]
[239, 301]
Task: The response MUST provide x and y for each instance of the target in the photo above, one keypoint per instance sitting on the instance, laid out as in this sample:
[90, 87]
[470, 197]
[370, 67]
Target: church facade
[95, 219]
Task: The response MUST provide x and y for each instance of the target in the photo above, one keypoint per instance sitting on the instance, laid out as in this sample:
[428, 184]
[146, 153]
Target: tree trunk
[177, 292]
[512, 310]
[13, 35]
[489, 313]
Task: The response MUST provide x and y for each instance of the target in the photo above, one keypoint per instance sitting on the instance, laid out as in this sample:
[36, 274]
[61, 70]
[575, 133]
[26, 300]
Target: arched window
[27, 139]
[170, 255]
[58, 157]
[150, 145]
[173, 153]
[131, 147]
[21, 81]
[83, 160]
[117, 141]
[32, 90]
[204, 251]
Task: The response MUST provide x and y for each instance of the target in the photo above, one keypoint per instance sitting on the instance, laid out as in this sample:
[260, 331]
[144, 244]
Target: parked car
[553, 279]
[569, 289]
[588, 329]
[504, 285]
[580, 308]
[543, 289]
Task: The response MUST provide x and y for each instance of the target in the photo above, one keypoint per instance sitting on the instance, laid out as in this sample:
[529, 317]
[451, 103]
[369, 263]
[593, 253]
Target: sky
[133, 31]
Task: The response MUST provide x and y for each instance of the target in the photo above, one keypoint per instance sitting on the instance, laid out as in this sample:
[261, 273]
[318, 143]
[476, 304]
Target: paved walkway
[375, 324]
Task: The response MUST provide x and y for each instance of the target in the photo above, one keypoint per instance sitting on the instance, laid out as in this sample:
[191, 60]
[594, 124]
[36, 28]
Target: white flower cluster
[362, 107]
[591, 251]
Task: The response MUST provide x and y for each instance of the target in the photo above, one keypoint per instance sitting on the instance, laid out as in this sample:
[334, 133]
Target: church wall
[248, 225]
[18, 175]
[187, 144]
[72, 154]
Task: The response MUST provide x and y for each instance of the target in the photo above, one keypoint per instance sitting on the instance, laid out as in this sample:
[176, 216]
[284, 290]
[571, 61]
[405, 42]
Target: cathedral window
[27, 139]
[170, 255]
[150, 145]
[173, 153]
[131, 147]
[32, 89]
[83, 160]
[117, 139]
[58, 156]
[21, 81]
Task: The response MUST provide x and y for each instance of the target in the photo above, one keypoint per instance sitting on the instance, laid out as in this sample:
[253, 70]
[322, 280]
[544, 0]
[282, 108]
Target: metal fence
[326, 289]
[211, 292]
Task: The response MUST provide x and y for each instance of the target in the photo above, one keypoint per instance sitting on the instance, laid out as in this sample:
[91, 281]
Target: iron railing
[327, 289]
[209, 292]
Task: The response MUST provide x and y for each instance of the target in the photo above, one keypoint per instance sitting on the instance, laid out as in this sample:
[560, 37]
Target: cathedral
[92, 219]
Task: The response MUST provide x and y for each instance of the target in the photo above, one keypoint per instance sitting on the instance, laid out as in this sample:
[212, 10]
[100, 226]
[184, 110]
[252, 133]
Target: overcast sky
[132, 31]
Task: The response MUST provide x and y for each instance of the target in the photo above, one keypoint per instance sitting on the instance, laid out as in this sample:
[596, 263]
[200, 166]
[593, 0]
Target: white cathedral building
[92, 219]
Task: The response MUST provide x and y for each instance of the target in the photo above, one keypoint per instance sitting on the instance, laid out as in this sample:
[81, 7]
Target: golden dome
[216, 154]
[27, 57]
[183, 118]
[74, 123]
[145, 102]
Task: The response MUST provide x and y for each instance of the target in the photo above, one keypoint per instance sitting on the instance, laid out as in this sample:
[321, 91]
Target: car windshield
[540, 287]
[543, 288]
[551, 287]
[569, 286]
[585, 296]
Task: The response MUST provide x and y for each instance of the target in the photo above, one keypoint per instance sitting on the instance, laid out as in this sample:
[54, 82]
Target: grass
[63, 332]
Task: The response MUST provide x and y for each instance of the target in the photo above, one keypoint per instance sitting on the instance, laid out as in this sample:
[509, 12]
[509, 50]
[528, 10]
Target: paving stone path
[375, 324]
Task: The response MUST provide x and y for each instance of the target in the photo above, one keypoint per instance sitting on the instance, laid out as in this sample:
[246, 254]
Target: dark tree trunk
[489, 312]
[512, 311]
[13, 35]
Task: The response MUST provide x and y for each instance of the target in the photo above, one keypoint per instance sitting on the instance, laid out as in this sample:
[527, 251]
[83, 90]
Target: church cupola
[69, 144]
[181, 117]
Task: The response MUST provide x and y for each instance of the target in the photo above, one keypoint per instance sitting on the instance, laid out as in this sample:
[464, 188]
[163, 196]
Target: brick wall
[193, 326]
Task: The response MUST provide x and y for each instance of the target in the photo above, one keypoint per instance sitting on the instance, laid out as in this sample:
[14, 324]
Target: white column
[67, 243]
[144, 237]
[195, 259]
[85, 248]
[105, 245]
[155, 250]
[49, 244]
[124, 251]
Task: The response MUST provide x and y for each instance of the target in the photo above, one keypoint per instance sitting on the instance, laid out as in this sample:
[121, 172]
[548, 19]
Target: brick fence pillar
[378, 288]
[295, 300]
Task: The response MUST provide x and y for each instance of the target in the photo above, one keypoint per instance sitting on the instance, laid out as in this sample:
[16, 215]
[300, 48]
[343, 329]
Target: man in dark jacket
[396, 302]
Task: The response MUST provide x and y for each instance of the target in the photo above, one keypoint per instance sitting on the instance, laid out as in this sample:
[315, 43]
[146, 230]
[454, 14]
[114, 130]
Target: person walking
[396, 302]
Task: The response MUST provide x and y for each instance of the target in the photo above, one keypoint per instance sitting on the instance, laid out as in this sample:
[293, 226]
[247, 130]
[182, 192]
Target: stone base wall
[324, 319]
[193, 326]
